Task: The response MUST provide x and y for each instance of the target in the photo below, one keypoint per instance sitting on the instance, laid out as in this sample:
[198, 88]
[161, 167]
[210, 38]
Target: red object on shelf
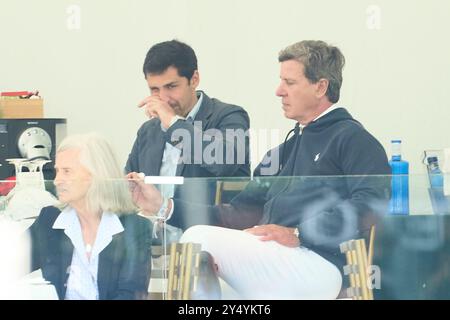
[20, 94]
[6, 187]
[15, 93]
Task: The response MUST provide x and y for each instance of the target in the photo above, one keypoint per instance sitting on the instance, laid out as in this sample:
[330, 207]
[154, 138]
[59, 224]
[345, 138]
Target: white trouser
[266, 269]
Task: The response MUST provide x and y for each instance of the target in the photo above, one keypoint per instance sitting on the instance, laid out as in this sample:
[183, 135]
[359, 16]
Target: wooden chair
[180, 275]
[359, 261]
[224, 187]
[183, 270]
[174, 271]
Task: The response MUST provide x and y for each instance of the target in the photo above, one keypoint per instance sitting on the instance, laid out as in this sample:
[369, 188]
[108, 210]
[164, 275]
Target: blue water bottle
[399, 203]
[439, 201]
[435, 173]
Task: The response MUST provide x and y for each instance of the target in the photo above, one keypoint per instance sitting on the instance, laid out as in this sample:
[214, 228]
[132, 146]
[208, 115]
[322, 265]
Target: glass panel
[410, 257]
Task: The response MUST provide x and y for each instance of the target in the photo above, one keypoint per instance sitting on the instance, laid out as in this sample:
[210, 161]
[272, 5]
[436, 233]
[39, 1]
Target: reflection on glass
[411, 254]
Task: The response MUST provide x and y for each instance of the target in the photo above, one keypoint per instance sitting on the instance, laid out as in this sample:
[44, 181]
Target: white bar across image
[163, 180]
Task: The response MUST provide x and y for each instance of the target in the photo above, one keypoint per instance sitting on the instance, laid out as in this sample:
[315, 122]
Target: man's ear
[322, 87]
[195, 79]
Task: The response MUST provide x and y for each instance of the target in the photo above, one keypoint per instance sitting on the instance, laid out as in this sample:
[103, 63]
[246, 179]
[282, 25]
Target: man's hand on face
[283, 235]
[157, 108]
[145, 196]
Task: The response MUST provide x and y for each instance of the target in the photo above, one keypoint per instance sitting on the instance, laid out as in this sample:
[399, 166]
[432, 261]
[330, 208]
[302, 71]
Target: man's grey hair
[321, 61]
[109, 189]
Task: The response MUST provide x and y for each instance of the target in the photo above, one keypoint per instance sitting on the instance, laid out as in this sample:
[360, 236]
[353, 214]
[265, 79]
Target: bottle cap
[396, 149]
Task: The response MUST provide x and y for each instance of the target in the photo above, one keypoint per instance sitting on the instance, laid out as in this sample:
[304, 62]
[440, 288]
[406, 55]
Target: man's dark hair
[167, 54]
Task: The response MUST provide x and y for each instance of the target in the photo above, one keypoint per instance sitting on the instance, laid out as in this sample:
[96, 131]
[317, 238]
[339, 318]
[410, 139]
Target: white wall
[395, 81]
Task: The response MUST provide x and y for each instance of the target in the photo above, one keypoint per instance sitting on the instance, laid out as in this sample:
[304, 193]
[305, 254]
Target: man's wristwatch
[296, 232]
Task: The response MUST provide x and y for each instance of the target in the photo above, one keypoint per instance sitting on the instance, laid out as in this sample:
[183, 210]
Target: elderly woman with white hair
[94, 246]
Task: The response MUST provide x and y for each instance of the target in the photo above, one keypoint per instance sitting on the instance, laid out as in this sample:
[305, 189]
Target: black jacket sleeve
[134, 273]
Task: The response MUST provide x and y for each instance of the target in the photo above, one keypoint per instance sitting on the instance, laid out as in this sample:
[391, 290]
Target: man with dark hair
[279, 238]
[181, 118]
[171, 54]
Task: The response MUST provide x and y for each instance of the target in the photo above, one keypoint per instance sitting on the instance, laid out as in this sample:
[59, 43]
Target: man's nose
[280, 91]
[164, 95]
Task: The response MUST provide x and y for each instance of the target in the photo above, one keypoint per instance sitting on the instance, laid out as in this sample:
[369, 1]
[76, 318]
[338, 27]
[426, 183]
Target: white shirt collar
[331, 108]
[328, 110]
[109, 226]
[195, 109]
[65, 219]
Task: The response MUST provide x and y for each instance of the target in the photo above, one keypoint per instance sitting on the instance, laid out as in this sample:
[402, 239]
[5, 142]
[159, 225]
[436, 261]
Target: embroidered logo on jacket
[317, 157]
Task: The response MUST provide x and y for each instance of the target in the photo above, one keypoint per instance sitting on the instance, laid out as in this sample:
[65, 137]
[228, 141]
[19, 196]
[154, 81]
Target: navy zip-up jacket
[333, 186]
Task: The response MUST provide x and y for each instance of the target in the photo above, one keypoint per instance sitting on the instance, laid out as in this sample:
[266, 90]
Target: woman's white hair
[109, 189]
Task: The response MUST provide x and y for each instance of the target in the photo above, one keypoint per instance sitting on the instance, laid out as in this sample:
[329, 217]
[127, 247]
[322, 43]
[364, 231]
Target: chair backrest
[223, 188]
[183, 270]
[359, 261]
